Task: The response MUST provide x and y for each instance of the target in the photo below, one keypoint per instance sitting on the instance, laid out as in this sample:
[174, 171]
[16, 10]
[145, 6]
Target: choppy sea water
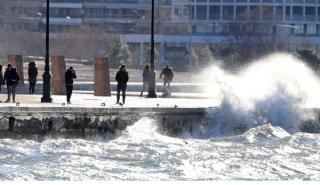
[141, 153]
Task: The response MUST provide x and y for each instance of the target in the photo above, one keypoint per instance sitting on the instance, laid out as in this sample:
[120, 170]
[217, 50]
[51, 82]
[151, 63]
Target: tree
[310, 58]
[193, 58]
[125, 55]
[204, 54]
[114, 54]
[252, 40]
[148, 56]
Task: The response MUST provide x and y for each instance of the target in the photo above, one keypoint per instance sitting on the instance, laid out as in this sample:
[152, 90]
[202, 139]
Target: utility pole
[46, 98]
[152, 79]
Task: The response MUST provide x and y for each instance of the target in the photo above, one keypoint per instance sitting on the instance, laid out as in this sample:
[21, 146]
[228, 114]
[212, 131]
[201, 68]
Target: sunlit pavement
[133, 100]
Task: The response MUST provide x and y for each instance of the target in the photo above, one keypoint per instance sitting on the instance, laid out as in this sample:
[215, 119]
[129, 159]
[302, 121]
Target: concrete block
[101, 77]
[58, 68]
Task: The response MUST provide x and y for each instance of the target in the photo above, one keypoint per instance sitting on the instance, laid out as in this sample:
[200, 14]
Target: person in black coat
[122, 78]
[70, 74]
[11, 78]
[33, 74]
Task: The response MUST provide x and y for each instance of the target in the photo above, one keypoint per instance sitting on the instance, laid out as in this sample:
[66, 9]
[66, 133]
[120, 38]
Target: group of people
[122, 78]
[166, 73]
[11, 79]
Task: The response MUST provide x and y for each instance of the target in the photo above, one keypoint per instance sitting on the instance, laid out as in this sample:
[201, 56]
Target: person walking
[122, 78]
[1, 78]
[11, 78]
[145, 78]
[70, 74]
[167, 73]
[33, 74]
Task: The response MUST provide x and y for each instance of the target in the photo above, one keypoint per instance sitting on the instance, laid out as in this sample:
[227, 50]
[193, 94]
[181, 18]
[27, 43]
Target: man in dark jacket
[11, 78]
[32, 73]
[167, 74]
[70, 74]
[122, 78]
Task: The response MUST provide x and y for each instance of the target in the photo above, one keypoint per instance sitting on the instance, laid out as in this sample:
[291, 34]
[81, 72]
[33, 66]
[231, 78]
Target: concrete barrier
[101, 77]
[58, 67]
[79, 121]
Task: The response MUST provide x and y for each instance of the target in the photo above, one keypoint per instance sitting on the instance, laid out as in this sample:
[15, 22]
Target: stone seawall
[26, 122]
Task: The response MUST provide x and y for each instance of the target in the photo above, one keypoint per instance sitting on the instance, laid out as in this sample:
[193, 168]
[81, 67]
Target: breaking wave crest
[275, 90]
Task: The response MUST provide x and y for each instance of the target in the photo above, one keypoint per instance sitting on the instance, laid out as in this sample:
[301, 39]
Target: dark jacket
[167, 72]
[122, 78]
[33, 73]
[69, 76]
[11, 77]
[146, 75]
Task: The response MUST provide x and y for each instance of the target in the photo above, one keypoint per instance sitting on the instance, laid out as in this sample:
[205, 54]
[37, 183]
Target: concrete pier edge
[39, 120]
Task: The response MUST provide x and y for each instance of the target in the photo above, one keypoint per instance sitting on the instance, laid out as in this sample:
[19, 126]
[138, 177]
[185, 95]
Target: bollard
[58, 68]
[17, 62]
[101, 77]
[11, 124]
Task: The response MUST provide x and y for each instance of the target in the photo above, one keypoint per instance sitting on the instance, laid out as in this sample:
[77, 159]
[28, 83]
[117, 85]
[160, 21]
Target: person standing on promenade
[122, 78]
[1, 78]
[33, 74]
[167, 74]
[11, 78]
[145, 77]
[70, 74]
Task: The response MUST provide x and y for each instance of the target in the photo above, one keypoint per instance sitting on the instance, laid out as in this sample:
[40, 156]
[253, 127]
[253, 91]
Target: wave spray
[274, 90]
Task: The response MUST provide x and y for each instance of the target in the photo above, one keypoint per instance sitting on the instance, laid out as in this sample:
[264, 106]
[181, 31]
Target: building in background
[180, 25]
[286, 24]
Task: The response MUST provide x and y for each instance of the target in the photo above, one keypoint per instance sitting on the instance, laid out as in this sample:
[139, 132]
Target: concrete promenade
[87, 100]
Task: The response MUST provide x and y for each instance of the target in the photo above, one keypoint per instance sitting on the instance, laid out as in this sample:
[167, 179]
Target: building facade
[290, 23]
[285, 24]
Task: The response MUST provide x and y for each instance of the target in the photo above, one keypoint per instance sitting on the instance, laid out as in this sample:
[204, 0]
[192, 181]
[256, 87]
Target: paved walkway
[89, 100]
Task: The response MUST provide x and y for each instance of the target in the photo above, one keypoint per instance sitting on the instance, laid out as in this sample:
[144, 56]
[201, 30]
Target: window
[298, 29]
[214, 12]
[311, 29]
[228, 12]
[201, 12]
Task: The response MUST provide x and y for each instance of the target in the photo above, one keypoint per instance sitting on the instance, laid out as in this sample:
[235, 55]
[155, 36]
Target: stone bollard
[58, 67]
[17, 62]
[101, 77]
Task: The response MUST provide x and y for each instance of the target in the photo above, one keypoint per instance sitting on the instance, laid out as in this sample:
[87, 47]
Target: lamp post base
[46, 100]
[152, 95]
[152, 86]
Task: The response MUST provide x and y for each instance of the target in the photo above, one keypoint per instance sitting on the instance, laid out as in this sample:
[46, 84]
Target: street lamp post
[46, 98]
[152, 79]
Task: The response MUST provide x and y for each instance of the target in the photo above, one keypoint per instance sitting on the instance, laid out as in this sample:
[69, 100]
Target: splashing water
[273, 90]
[262, 153]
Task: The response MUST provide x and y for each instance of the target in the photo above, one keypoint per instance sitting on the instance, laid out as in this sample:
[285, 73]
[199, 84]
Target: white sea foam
[273, 90]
